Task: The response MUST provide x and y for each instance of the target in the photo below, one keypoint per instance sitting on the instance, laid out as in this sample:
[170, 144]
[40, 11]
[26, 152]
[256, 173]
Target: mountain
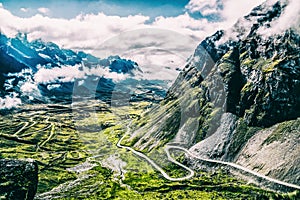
[227, 128]
[42, 72]
[238, 99]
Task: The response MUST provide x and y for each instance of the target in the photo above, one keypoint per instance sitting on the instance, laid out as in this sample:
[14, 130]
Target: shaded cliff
[237, 82]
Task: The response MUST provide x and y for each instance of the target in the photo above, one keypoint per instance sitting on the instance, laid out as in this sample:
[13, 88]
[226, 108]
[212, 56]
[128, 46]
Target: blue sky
[71, 8]
[86, 25]
[160, 35]
[92, 25]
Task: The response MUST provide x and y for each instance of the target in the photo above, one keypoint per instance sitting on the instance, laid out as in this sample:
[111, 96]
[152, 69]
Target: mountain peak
[240, 71]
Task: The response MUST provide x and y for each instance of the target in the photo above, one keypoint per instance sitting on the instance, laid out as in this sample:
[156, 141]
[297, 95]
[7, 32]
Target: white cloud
[70, 73]
[183, 24]
[58, 74]
[212, 11]
[113, 35]
[289, 18]
[43, 10]
[234, 9]
[157, 51]
[130, 36]
[24, 9]
[10, 101]
[28, 87]
[187, 25]
[206, 6]
[82, 32]
[228, 10]
[158, 65]
[89, 31]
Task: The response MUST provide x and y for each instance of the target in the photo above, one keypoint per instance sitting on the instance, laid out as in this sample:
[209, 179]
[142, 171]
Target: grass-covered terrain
[78, 158]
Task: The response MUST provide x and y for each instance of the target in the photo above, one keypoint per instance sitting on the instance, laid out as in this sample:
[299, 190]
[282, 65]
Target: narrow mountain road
[158, 168]
[191, 172]
[167, 148]
[25, 124]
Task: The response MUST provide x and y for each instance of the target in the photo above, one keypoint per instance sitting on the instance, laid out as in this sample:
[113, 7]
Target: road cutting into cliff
[191, 174]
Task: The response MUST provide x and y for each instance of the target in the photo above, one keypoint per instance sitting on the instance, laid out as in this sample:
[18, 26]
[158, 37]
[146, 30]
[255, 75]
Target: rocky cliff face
[274, 151]
[238, 81]
[18, 179]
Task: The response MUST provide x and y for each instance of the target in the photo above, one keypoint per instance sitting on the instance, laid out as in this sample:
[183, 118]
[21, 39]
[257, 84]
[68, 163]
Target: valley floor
[80, 155]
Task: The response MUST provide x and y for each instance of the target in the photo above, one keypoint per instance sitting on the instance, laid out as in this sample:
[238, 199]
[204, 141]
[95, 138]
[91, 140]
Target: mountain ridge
[42, 72]
[248, 81]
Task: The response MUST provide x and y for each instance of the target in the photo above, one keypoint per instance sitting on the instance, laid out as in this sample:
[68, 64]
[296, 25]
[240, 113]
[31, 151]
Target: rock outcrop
[241, 73]
[274, 151]
[18, 179]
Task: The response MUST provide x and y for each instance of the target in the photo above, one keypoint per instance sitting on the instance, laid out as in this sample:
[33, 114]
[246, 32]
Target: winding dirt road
[236, 166]
[191, 172]
[158, 168]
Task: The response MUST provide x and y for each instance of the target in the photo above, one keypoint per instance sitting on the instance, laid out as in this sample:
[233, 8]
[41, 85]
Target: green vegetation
[242, 134]
[262, 64]
[283, 130]
[99, 184]
[205, 185]
[47, 136]
[78, 158]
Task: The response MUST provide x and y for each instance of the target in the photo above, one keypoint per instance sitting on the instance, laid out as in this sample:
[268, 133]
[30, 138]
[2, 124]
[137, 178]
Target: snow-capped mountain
[43, 72]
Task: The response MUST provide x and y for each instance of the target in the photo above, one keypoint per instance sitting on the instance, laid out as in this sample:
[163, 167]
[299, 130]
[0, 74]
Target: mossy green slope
[74, 162]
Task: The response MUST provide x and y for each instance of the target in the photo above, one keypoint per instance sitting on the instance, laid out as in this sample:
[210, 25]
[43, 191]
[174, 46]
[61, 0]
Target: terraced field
[78, 158]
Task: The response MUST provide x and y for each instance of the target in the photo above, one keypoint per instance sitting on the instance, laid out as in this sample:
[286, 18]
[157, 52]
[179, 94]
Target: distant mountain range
[42, 72]
[233, 109]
